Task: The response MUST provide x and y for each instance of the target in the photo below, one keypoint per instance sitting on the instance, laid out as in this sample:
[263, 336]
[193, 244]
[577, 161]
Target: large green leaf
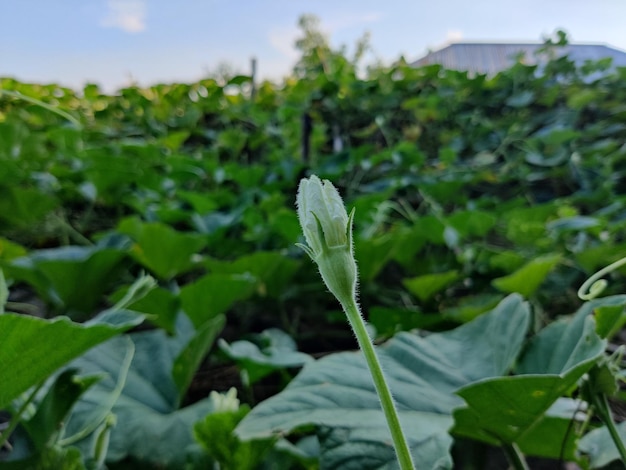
[161, 305]
[424, 287]
[272, 270]
[20, 207]
[278, 351]
[529, 277]
[148, 407]
[191, 356]
[566, 343]
[162, 249]
[74, 278]
[507, 410]
[600, 447]
[423, 373]
[214, 294]
[44, 426]
[515, 409]
[57, 342]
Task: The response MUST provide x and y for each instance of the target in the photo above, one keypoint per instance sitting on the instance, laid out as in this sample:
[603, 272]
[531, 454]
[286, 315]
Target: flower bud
[327, 229]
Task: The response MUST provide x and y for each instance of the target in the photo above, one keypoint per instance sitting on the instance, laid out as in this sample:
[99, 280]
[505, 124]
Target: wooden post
[253, 78]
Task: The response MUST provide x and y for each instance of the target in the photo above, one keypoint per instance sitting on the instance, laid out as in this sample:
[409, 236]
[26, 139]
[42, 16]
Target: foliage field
[482, 204]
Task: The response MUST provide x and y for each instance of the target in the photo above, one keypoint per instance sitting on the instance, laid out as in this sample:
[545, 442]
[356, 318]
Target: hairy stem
[384, 394]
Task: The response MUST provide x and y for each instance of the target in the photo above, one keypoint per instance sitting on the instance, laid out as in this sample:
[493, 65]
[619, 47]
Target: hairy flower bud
[327, 229]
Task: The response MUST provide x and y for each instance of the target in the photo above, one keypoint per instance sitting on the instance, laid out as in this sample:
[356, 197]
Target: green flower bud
[327, 229]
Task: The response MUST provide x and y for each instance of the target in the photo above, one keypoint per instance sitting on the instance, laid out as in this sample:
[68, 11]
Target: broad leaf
[160, 248]
[148, 407]
[529, 277]
[272, 270]
[44, 426]
[58, 342]
[599, 446]
[566, 343]
[515, 409]
[56, 273]
[368, 447]
[214, 294]
[424, 287]
[423, 373]
[280, 352]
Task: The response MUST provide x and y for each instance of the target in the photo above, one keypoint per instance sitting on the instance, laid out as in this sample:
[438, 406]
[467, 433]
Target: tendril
[595, 285]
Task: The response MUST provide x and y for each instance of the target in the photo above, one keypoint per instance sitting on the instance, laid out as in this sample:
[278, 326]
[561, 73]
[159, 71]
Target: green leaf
[566, 343]
[271, 270]
[472, 223]
[148, 407]
[216, 435]
[599, 446]
[160, 304]
[213, 294]
[43, 428]
[191, 357]
[423, 373]
[610, 319]
[529, 277]
[73, 278]
[521, 99]
[58, 341]
[161, 249]
[471, 306]
[66, 458]
[279, 352]
[424, 287]
[368, 447]
[389, 321]
[20, 207]
[577, 223]
[10, 250]
[80, 283]
[514, 409]
[373, 254]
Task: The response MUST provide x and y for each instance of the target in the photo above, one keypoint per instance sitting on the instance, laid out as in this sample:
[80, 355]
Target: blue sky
[111, 42]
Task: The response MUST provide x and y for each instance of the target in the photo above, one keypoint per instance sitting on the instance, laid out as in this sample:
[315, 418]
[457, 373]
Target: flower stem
[384, 394]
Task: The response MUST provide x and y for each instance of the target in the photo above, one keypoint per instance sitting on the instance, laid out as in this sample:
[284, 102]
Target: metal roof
[489, 58]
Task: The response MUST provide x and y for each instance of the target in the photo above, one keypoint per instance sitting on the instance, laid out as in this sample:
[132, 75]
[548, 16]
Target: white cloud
[454, 35]
[127, 15]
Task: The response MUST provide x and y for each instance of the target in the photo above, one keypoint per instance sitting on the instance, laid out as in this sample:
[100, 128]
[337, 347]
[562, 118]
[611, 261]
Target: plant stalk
[515, 456]
[16, 418]
[384, 394]
[602, 406]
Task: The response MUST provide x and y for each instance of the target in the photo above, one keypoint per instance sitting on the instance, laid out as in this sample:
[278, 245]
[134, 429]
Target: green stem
[35, 101]
[604, 410]
[384, 394]
[515, 456]
[16, 418]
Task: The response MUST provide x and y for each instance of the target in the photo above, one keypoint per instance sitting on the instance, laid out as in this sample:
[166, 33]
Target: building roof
[490, 58]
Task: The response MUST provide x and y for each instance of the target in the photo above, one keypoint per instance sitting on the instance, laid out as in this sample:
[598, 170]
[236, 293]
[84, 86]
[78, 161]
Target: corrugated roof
[491, 58]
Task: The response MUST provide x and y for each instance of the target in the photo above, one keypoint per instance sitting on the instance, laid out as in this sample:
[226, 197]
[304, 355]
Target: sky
[117, 42]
